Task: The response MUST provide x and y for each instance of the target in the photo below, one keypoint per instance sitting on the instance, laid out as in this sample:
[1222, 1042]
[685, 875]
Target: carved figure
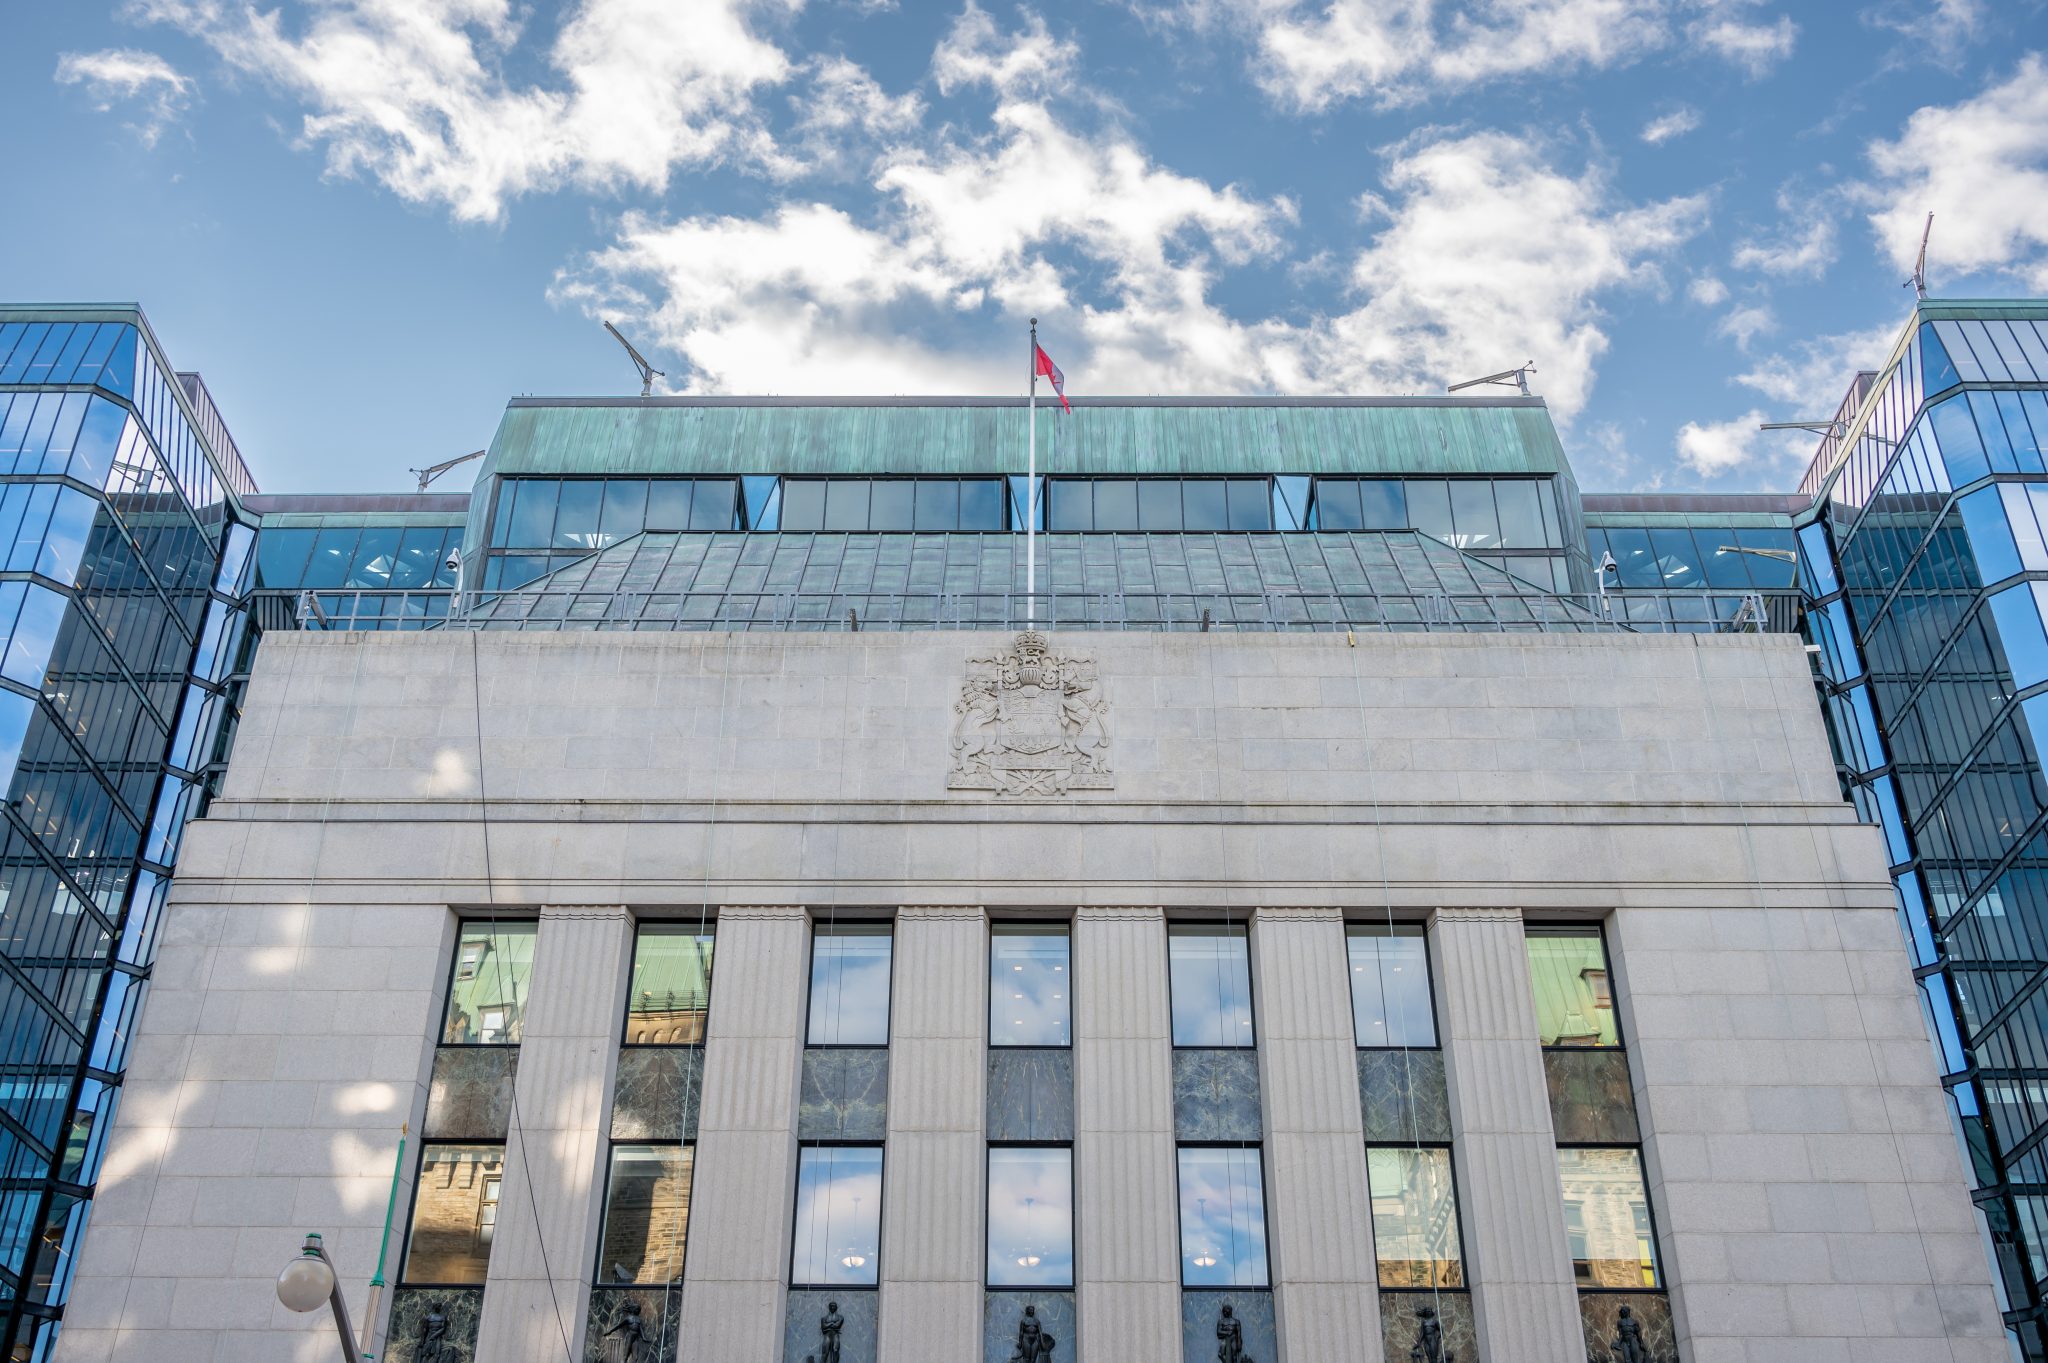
[1628, 1339]
[628, 1341]
[1429, 1339]
[1045, 1348]
[1030, 722]
[829, 1326]
[431, 1344]
[1230, 1338]
[1028, 1332]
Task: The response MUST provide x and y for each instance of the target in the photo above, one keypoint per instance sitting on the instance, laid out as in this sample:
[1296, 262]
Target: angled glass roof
[1398, 580]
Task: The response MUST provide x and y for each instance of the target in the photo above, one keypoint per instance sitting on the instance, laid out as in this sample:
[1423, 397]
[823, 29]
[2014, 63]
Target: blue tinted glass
[1290, 502]
[418, 560]
[1472, 515]
[846, 504]
[668, 504]
[1028, 999]
[838, 1216]
[1817, 563]
[1956, 436]
[713, 504]
[333, 551]
[892, 504]
[1222, 1218]
[533, 513]
[576, 518]
[34, 636]
[1429, 508]
[803, 504]
[1116, 504]
[1991, 542]
[281, 557]
[1723, 565]
[981, 504]
[1251, 505]
[1210, 974]
[625, 509]
[1769, 570]
[1030, 1217]
[1390, 986]
[1678, 560]
[1635, 565]
[1521, 513]
[1337, 504]
[1070, 504]
[2020, 634]
[850, 985]
[938, 504]
[1984, 408]
[1159, 504]
[376, 557]
[71, 524]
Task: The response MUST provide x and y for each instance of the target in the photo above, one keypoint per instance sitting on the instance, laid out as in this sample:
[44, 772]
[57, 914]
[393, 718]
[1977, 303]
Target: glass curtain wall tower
[122, 638]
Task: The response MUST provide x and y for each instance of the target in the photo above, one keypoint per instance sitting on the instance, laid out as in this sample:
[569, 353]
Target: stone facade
[1675, 788]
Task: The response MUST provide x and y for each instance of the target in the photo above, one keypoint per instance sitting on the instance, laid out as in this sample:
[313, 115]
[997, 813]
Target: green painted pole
[383, 1244]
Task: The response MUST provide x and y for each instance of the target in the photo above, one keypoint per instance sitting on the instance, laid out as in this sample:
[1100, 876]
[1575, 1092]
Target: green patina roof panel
[681, 436]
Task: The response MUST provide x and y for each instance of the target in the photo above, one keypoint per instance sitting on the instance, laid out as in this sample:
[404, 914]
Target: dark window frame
[796, 1210]
[448, 988]
[412, 1212]
[1251, 1000]
[1599, 930]
[1066, 928]
[1180, 1230]
[1457, 1212]
[706, 928]
[597, 1278]
[810, 999]
[1420, 930]
[1073, 1215]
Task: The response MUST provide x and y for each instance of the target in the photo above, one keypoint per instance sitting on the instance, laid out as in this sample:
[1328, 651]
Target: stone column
[549, 1201]
[1318, 1212]
[933, 1198]
[1126, 1248]
[742, 1194]
[1523, 1294]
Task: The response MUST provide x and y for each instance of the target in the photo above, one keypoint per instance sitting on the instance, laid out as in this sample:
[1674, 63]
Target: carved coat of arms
[1031, 722]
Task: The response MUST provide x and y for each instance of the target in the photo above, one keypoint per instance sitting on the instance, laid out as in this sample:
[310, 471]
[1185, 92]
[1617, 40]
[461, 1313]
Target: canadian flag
[1043, 364]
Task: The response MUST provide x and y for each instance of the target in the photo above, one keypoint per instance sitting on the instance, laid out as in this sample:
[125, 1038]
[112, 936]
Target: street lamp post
[309, 1280]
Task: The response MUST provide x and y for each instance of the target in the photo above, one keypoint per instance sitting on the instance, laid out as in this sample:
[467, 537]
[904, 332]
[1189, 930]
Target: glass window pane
[1116, 504]
[1429, 507]
[1568, 973]
[1720, 560]
[1337, 504]
[670, 991]
[981, 504]
[1209, 971]
[576, 517]
[281, 557]
[333, 550]
[715, 504]
[487, 996]
[846, 504]
[533, 513]
[1159, 504]
[668, 504]
[1069, 504]
[625, 510]
[1202, 505]
[376, 555]
[1607, 1218]
[850, 985]
[891, 502]
[1383, 504]
[1222, 1218]
[419, 557]
[838, 1216]
[1769, 570]
[803, 504]
[1251, 504]
[454, 1214]
[1390, 986]
[1521, 513]
[646, 1215]
[938, 504]
[1414, 1217]
[1678, 561]
[1635, 566]
[1028, 1001]
[1473, 515]
[1030, 1217]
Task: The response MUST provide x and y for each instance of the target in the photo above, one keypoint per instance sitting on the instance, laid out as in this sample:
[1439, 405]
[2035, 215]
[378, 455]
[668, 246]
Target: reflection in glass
[1028, 1001]
[1030, 1217]
[850, 985]
[838, 1216]
[1574, 999]
[1390, 986]
[1607, 1218]
[1414, 1217]
[487, 996]
[670, 989]
[1210, 976]
[646, 1214]
[1222, 1217]
[454, 1213]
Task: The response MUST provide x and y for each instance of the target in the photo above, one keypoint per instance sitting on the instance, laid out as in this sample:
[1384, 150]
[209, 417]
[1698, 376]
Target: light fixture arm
[1507, 378]
[315, 1248]
[432, 471]
[648, 373]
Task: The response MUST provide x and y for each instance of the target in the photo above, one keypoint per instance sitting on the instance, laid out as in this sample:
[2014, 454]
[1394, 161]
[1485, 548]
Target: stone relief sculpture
[1628, 1339]
[829, 1326]
[628, 1340]
[1031, 722]
[1034, 1345]
[1230, 1338]
[1429, 1339]
[431, 1344]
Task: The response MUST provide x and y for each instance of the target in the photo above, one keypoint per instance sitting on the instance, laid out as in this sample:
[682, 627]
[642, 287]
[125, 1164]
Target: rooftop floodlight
[647, 371]
[432, 471]
[1507, 378]
[1918, 283]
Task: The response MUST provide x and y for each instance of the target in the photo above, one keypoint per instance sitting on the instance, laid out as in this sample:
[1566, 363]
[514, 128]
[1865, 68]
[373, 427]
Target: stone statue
[829, 1326]
[628, 1341]
[431, 1345]
[1045, 1347]
[1230, 1338]
[1429, 1339]
[1029, 1333]
[1628, 1339]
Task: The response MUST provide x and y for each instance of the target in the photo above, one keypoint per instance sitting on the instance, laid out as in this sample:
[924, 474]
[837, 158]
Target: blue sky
[370, 222]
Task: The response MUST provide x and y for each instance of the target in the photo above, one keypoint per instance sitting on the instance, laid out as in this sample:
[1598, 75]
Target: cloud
[416, 95]
[1707, 291]
[1664, 127]
[1811, 376]
[1755, 47]
[1938, 31]
[1745, 322]
[974, 52]
[1795, 250]
[117, 75]
[1981, 167]
[1715, 449]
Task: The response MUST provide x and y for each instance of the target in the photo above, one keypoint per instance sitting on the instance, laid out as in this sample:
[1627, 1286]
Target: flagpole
[1031, 488]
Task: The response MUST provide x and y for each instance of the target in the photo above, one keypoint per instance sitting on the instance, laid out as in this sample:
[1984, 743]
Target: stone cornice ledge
[1460, 915]
[767, 912]
[1299, 913]
[941, 911]
[585, 911]
[1113, 911]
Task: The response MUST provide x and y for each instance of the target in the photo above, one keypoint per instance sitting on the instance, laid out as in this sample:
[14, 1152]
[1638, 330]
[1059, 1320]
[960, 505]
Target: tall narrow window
[838, 1240]
[1390, 994]
[1209, 973]
[487, 994]
[646, 1215]
[1222, 1217]
[1028, 993]
[1415, 1217]
[1030, 1216]
[849, 985]
[1568, 975]
[669, 994]
[1607, 1217]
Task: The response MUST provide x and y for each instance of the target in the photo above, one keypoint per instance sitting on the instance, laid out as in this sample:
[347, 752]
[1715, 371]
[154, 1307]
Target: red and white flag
[1044, 365]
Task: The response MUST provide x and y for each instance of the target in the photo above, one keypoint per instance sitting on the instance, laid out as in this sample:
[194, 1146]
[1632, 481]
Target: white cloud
[1811, 376]
[1797, 249]
[1707, 291]
[1605, 463]
[1716, 448]
[973, 52]
[1981, 167]
[414, 93]
[1664, 127]
[1940, 30]
[117, 75]
[1754, 46]
[1745, 322]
